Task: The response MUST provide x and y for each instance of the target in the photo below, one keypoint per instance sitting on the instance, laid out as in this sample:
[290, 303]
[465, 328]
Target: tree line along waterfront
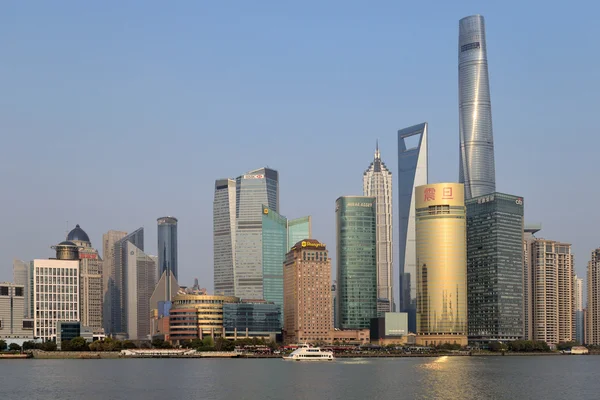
[261, 347]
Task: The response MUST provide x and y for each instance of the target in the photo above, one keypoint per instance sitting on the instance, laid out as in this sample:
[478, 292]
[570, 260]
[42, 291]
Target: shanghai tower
[477, 167]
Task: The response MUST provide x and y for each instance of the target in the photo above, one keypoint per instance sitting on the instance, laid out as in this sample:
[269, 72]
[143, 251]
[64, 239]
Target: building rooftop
[78, 234]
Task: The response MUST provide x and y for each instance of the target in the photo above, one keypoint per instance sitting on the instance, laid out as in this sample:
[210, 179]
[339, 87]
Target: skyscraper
[528, 238]
[277, 234]
[253, 190]
[224, 209]
[412, 172]
[356, 261]
[578, 305]
[307, 288]
[477, 168]
[167, 245]
[592, 322]
[90, 280]
[117, 285]
[377, 182]
[140, 279]
[495, 267]
[441, 264]
[552, 279]
[108, 275]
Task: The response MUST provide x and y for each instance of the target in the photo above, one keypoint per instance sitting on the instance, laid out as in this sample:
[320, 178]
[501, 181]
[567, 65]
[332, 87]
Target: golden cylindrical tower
[441, 245]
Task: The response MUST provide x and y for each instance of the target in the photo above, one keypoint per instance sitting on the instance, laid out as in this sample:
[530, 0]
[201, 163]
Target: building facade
[495, 267]
[277, 233]
[592, 320]
[441, 264]
[167, 245]
[197, 316]
[307, 293]
[528, 238]
[253, 190]
[56, 292]
[578, 306]
[91, 291]
[108, 275]
[412, 172]
[477, 166]
[22, 275]
[377, 183]
[252, 320]
[553, 299]
[14, 327]
[224, 209]
[356, 234]
[131, 287]
[140, 281]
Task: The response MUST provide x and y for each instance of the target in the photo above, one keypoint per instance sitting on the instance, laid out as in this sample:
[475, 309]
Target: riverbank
[58, 355]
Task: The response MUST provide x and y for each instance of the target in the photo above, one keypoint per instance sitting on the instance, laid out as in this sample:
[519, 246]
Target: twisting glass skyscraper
[377, 182]
[477, 167]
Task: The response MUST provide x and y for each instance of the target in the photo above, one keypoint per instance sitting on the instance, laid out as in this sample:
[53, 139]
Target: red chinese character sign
[429, 194]
[447, 193]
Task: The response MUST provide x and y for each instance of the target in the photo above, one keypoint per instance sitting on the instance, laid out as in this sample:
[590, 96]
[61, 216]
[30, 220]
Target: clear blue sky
[115, 113]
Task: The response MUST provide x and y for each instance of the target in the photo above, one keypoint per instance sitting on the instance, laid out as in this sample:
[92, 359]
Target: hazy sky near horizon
[116, 113]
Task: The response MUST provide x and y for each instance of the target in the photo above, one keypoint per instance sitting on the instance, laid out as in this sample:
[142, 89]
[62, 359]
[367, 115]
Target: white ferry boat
[306, 353]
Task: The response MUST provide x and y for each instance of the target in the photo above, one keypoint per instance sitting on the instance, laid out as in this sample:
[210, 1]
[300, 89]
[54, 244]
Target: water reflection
[560, 377]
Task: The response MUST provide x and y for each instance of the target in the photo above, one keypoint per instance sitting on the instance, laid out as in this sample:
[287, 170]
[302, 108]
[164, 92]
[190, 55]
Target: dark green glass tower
[356, 261]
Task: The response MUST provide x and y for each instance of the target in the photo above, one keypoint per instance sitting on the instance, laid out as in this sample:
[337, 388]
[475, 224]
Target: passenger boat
[306, 353]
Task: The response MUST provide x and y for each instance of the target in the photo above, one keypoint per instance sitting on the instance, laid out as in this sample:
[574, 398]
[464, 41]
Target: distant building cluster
[470, 270]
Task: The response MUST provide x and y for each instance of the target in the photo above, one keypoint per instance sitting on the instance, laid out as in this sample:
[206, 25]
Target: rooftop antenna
[67, 230]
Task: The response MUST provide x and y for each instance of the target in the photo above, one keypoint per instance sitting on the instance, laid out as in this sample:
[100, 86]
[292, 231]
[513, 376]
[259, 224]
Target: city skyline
[97, 217]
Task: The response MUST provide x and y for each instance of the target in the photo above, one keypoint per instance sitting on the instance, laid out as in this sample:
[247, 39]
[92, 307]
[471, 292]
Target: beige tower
[91, 293]
[441, 264]
[552, 301]
[307, 293]
[592, 322]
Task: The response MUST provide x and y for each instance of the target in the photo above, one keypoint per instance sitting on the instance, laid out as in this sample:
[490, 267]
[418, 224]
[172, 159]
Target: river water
[514, 377]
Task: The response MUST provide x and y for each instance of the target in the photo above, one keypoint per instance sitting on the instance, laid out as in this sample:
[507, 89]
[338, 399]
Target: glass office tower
[441, 264]
[477, 168]
[279, 235]
[495, 267]
[253, 189]
[224, 208]
[167, 245]
[356, 261]
[412, 172]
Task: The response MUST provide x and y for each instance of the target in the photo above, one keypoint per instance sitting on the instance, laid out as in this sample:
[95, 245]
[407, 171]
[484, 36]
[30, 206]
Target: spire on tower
[377, 154]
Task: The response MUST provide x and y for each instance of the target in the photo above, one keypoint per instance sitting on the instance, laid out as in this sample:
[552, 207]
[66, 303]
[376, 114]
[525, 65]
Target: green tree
[14, 347]
[496, 346]
[566, 345]
[48, 346]
[79, 344]
[30, 345]
[2, 345]
[208, 341]
[128, 344]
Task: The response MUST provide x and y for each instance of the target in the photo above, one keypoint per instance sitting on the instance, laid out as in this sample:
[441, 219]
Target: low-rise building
[252, 319]
[392, 328]
[197, 316]
[13, 327]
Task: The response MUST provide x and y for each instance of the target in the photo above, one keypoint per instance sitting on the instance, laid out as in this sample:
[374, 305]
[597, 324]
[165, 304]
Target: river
[514, 377]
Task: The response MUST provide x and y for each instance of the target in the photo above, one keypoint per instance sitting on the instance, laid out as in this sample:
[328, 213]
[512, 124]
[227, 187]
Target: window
[19, 291]
[3, 290]
[470, 46]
